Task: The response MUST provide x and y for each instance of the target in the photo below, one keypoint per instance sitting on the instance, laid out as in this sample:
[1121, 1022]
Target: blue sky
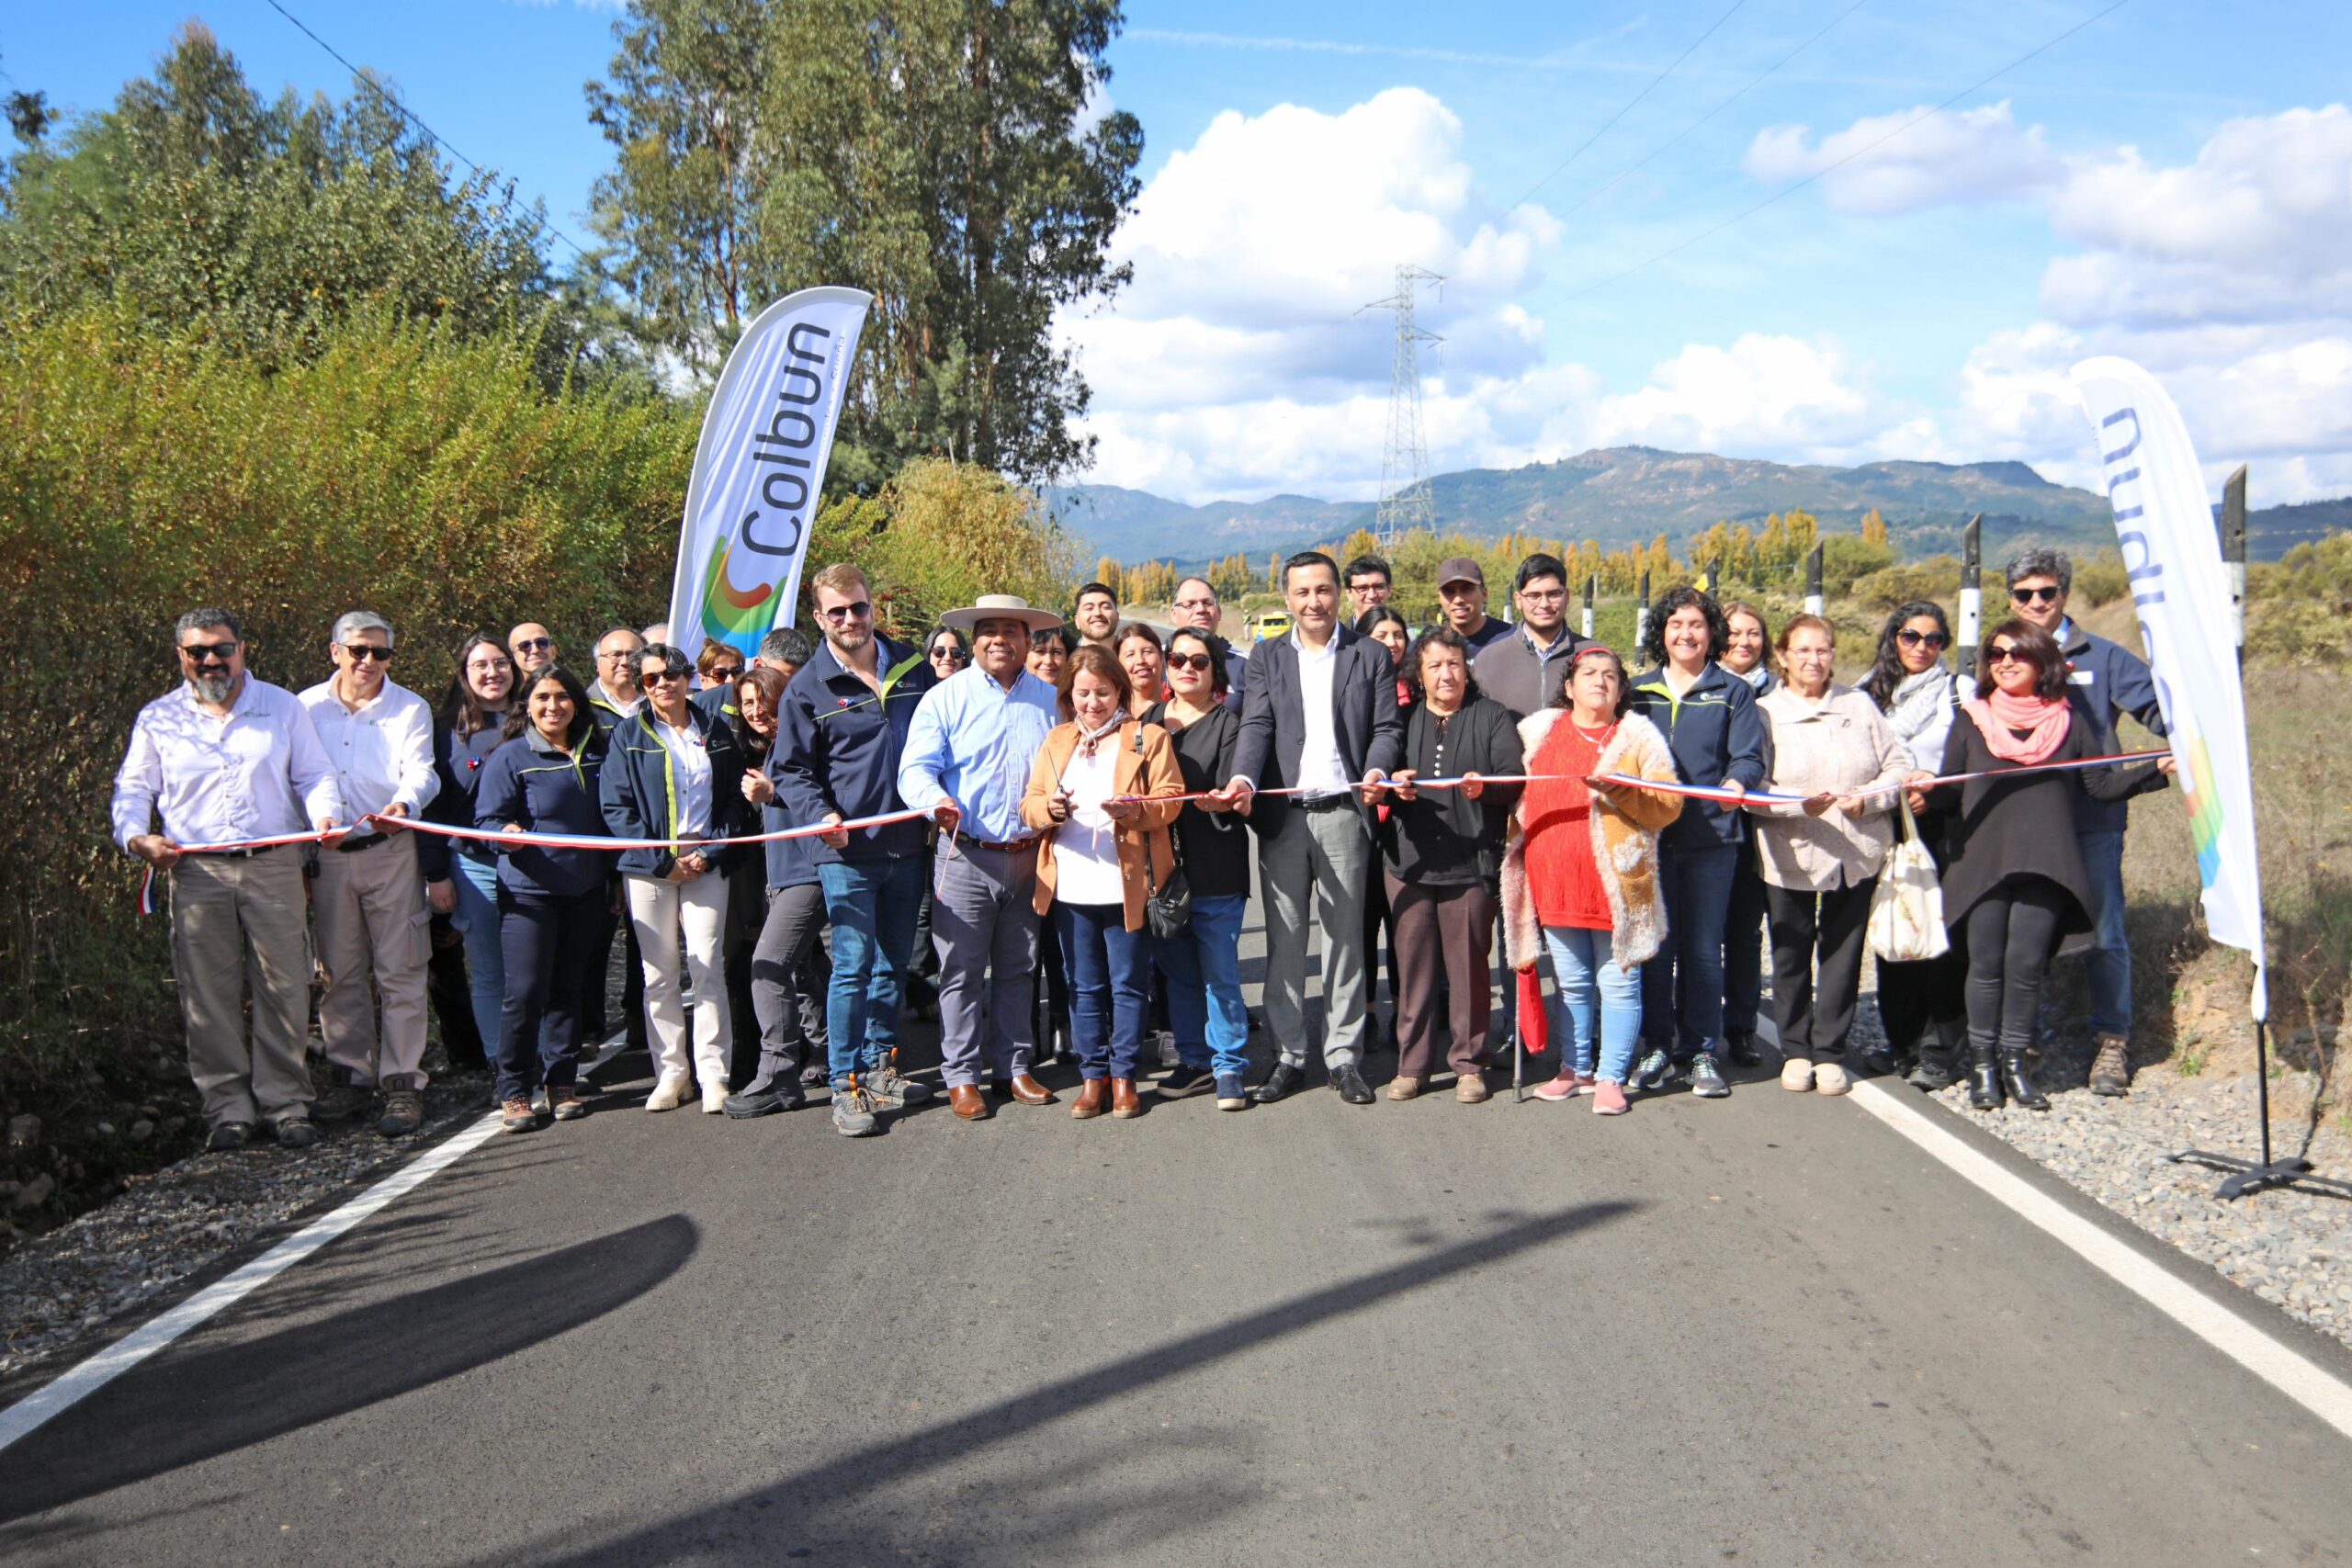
[2172, 181]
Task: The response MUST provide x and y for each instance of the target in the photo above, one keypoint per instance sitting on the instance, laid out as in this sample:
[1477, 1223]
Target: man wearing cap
[966, 761]
[1462, 591]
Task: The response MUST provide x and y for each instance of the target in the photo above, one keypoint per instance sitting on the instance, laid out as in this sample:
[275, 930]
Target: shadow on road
[869, 1505]
[191, 1407]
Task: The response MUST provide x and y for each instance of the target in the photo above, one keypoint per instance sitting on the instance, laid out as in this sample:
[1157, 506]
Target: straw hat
[1000, 607]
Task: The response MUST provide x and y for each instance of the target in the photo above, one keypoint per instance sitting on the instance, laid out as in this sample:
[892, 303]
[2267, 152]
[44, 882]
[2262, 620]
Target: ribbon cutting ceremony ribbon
[1703, 792]
[521, 841]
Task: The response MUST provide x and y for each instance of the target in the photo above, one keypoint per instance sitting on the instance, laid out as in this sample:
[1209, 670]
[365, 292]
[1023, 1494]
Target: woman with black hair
[1441, 856]
[1920, 1003]
[2013, 875]
[1708, 716]
[947, 651]
[461, 875]
[1747, 653]
[544, 779]
[1389, 629]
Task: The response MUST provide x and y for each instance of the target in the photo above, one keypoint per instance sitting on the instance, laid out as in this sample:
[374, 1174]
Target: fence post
[1813, 598]
[1642, 616]
[1971, 593]
[2232, 525]
[1590, 585]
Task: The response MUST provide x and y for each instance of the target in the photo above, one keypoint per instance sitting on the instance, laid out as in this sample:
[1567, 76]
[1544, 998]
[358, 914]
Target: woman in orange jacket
[1102, 795]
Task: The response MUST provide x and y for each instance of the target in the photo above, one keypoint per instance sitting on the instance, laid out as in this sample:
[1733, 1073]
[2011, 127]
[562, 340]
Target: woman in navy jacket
[674, 773]
[550, 900]
[1708, 716]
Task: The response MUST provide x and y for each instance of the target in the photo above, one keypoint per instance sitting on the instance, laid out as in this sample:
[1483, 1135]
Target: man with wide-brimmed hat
[966, 761]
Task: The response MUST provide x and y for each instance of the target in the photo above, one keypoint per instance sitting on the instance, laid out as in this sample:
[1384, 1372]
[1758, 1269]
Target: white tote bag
[1907, 907]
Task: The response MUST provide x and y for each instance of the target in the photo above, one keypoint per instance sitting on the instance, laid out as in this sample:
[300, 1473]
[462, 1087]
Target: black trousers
[546, 944]
[2013, 933]
[452, 995]
[1923, 1005]
[1815, 1016]
[747, 902]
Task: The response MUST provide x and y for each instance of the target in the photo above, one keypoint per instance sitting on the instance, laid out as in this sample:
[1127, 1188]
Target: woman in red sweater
[1581, 877]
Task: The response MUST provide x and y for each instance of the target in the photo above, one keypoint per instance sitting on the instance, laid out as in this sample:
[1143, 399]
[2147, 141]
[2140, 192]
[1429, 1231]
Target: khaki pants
[659, 909]
[374, 940]
[237, 927]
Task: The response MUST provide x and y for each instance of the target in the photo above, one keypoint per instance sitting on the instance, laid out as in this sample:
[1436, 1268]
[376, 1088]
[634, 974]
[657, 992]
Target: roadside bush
[1936, 580]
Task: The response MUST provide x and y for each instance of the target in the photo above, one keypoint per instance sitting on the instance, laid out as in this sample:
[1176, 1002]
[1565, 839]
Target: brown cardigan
[1151, 772]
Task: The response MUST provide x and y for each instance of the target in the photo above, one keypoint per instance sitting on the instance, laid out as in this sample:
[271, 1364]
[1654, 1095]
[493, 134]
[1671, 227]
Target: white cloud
[1913, 159]
[1779, 395]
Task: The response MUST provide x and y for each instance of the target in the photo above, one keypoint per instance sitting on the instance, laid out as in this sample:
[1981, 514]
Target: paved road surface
[1763, 1331]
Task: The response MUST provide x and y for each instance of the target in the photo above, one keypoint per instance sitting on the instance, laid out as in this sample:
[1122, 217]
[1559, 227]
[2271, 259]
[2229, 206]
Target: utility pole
[1591, 586]
[1405, 500]
[1972, 595]
[2233, 527]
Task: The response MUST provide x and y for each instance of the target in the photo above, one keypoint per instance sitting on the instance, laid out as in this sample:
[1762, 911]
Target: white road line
[2288, 1371]
[78, 1383]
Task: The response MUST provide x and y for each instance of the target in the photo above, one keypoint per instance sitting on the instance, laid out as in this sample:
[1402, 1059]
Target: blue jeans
[1683, 986]
[872, 906]
[1203, 963]
[2110, 958]
[1110, 987]
[476, 918]
[1585, 963]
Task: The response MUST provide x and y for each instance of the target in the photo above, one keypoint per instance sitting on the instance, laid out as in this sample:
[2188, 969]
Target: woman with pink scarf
[2013, 879]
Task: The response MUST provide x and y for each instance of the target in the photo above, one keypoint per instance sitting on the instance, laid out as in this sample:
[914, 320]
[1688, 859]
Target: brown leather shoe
[1025, 1089]
[967, 1101]
[1124, 1103]
[1093, 1098]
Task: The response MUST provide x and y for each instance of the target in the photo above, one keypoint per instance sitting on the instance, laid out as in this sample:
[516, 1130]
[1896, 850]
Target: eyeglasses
[659, 677]
[361, 652]
[1910, 639]
[2004, 653]
[1188, 662]
[534, 644]
[1195, 604]
[617, 656]
[200, 652]
[841, 613]
[1544, 595]
[724, 674]
[952, 655]
[2050, 595]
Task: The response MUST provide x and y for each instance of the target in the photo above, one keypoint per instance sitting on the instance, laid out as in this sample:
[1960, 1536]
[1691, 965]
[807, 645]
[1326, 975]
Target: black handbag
[1168, 907]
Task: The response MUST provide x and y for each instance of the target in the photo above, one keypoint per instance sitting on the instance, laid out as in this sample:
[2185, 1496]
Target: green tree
[193, 202]
[934, 153]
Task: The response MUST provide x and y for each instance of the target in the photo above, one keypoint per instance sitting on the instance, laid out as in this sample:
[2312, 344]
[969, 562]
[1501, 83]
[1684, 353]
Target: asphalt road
[1760, 1331]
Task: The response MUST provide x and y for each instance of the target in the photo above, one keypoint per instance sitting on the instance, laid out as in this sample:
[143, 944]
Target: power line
[401, 108]
[1752, 82]
[1832, 168]
[1621, 113]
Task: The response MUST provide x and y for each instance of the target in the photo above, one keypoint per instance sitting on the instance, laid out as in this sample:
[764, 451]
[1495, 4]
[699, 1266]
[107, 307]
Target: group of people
[1066, 817]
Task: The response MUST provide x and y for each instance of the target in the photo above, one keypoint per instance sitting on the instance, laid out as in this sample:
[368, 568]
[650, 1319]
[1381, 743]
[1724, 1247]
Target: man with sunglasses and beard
[840, 734]
[369, 897]
[2104, 682]
[225, 759]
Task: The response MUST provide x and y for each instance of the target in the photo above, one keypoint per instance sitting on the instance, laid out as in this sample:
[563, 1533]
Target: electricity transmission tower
[1405, 500]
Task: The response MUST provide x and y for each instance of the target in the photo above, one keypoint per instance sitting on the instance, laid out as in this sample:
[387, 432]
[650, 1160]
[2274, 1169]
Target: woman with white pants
[674, 773]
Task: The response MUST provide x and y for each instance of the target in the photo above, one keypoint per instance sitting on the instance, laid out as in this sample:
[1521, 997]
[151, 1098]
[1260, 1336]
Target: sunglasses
[659, 677]
[2036, 595]
[361, 652]
[1910, 639]
[841, 613]
[200, 652]
[2006, 653]
[536, 644]
[953, 655]
[1188, 662]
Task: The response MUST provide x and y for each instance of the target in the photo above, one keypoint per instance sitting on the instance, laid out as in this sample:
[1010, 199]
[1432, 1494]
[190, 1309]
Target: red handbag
[1534, 1018]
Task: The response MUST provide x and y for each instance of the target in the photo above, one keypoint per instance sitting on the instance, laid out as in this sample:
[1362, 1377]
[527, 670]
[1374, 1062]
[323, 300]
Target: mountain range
[1625, 495]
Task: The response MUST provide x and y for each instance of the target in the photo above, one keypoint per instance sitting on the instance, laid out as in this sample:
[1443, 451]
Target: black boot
[1983, 1079]
[1739, 1044]
[2020, 1084]
[1938, 1063]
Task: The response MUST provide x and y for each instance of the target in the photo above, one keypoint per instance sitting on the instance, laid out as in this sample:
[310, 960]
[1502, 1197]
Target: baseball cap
[1459, 568]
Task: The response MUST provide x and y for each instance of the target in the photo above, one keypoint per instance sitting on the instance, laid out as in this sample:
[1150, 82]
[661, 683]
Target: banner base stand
[2249, 1175]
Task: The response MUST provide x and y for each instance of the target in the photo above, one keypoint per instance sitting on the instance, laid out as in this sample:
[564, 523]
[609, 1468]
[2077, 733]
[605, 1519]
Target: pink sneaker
[1567, 1086]
[1609, 1099]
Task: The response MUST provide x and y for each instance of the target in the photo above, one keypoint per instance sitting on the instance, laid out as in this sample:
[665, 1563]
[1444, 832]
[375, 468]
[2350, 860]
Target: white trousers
[657, 909]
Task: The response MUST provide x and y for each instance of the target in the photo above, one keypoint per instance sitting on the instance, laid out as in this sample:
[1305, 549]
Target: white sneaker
[667, 1095]
[1830, 1079]
[1796, 1075]
[714, 1097]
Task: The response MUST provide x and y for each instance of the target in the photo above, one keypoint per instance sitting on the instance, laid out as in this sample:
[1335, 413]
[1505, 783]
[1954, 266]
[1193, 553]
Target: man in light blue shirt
[966, 761]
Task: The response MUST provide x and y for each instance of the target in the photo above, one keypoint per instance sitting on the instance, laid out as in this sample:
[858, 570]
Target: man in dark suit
[1321, 718]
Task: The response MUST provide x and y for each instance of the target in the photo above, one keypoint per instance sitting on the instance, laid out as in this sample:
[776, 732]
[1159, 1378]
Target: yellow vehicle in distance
[1272, 624]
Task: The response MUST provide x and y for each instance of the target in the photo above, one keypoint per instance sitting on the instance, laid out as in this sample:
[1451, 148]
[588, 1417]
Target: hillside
[1631, 494]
